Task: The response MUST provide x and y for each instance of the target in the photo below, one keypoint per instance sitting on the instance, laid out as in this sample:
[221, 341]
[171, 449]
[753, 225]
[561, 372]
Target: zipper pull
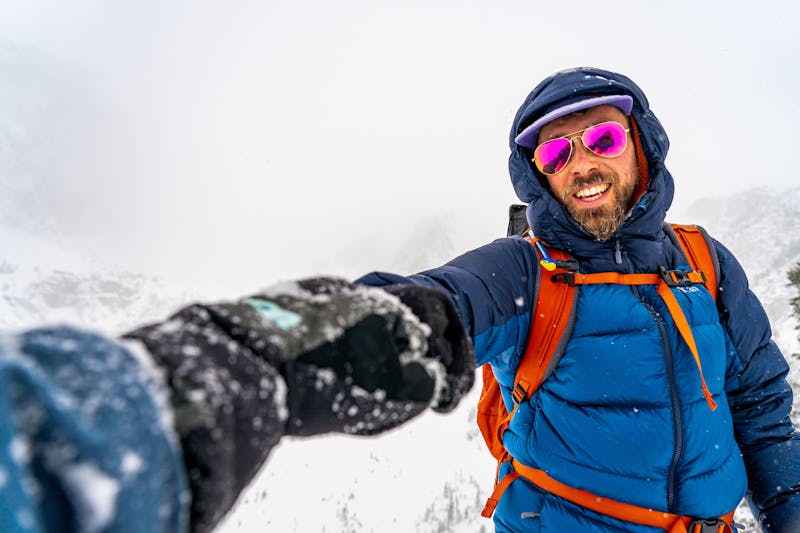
[617, 252]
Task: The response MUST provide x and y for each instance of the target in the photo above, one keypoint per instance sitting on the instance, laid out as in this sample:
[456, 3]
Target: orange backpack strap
[699, 251]
[552, 316]
[499, 489]
[669, 522]
[551, 319]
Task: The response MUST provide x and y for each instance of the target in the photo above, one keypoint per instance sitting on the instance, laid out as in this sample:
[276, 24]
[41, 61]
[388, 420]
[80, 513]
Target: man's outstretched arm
[302, 358]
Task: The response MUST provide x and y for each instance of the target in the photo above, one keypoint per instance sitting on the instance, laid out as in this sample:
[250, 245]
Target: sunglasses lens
[550, 157]
[607, 139]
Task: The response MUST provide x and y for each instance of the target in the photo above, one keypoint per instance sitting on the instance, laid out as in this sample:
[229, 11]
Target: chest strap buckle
[681, 278]
[706, 525]
[565, 277]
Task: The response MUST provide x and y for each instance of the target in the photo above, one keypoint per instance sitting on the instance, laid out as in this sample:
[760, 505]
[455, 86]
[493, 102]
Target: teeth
[593, 190]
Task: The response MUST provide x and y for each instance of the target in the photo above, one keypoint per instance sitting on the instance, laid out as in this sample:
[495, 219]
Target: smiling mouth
[592, 193]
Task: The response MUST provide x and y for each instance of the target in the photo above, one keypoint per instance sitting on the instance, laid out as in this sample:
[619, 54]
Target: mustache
[590, 179]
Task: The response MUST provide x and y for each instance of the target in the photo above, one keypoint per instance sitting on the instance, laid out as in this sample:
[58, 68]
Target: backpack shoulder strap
[552, 316]
[552, 309]
[699, 251]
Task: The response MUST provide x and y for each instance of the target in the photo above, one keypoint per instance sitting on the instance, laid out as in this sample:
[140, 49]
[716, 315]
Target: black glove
[382, 365]
[229, 406]
[353, 359]
[448, 341]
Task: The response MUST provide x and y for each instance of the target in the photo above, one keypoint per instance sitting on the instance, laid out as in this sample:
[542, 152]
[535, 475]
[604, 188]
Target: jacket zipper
[617, 251]
[673, 392]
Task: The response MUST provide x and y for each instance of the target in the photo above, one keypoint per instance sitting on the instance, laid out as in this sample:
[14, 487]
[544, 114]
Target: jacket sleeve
[761, 402]
[86, 440]
[493, 288]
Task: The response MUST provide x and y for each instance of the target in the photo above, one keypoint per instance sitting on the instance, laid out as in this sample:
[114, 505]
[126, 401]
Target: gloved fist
[355, 359]
[448, 342]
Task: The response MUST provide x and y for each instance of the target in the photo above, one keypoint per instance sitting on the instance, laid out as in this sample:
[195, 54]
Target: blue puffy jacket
[623, 416]
[86, 444]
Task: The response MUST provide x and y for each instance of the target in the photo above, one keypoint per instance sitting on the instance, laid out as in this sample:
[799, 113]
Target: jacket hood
[547, 217]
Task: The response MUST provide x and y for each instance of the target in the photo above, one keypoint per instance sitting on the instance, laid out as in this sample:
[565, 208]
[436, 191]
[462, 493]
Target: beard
[604, 221]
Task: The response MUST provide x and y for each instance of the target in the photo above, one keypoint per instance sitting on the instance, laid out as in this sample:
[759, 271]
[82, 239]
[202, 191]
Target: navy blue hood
[547, 217]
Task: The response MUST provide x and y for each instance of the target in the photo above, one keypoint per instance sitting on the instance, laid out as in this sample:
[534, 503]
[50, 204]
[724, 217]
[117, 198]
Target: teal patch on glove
[272, 312]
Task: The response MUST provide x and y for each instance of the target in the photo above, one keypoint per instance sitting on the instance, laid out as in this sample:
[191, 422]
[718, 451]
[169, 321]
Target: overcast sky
[264, 140]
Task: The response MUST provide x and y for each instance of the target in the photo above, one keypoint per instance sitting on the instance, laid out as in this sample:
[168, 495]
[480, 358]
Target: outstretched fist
[356, 359]
[301, 358]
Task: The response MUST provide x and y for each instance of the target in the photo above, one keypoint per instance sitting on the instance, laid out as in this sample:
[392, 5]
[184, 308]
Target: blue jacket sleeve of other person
[86, 441]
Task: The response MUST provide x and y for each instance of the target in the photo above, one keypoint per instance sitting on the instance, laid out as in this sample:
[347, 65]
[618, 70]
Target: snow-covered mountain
[762, 228]
[432, 475]
[42, 282]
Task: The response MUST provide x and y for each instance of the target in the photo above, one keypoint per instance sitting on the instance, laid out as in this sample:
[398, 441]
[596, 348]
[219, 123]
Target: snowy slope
[762, 228]
[41, 282]
[432, 475]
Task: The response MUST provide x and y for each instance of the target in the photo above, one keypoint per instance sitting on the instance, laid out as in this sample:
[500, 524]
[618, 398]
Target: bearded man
[627, 414]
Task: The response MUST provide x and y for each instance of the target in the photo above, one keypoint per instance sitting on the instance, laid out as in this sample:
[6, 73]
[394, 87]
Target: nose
[582, 161]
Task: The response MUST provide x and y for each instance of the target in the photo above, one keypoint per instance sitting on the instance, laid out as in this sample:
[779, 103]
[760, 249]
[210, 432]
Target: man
[622, 416]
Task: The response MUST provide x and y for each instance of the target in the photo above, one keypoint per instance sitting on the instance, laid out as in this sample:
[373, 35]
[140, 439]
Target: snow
[94, 494]
[436, 466]
[131, 463]
[190, 351]
[20, 449]
[409, 480]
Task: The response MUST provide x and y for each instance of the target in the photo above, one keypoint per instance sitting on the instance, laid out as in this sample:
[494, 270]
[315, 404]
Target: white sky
[210, 141]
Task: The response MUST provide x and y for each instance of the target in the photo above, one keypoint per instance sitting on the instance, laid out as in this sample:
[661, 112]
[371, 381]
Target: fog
[254, 141]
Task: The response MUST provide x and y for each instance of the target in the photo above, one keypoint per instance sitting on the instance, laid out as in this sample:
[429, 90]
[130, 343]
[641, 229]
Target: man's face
[596, 191]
